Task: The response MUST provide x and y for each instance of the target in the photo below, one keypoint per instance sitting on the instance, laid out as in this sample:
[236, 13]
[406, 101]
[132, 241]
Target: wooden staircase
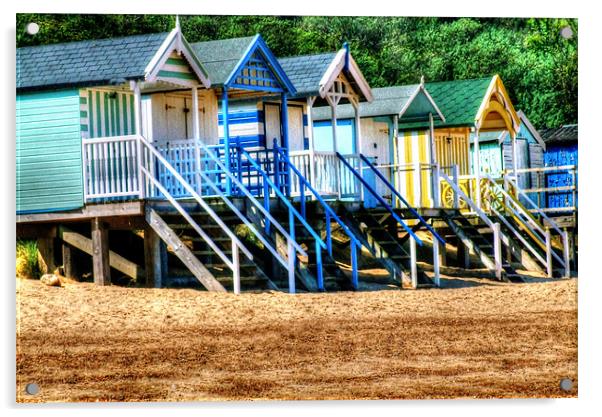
[197, 259]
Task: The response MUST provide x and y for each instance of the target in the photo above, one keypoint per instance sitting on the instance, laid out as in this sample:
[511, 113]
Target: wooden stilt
[152, 259]
[100, 253]
[413, 268]
[69, 266]
[46, 251]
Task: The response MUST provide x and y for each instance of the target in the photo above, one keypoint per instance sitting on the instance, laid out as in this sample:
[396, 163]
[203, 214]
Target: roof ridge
[91, 40]
[305, 55]
[459, 81]
[224, 39]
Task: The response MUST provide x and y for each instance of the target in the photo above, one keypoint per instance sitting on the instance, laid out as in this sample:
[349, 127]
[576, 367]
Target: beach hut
[561, 160]
[379, 129]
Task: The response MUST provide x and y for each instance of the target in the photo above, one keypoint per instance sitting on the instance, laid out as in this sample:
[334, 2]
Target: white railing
[324, 172]
[495, 227]
[110, 167]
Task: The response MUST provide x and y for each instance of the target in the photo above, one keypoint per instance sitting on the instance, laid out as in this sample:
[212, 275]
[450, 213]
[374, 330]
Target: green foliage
[537, 65]
[28, 265]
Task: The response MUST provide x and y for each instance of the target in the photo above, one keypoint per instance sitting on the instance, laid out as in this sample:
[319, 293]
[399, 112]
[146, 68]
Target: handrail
[282, 197]
[318, 197]
[379, 198]
[398, 195]
[330, 213]
[251, 198]
[193, 193]
[518, 208]
[467, 199]
[535, 206]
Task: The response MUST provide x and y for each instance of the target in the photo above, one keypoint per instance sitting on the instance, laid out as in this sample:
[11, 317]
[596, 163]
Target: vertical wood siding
[245, 120]
[414, 183]
[452, 148]
[49, 164]
[108, 113]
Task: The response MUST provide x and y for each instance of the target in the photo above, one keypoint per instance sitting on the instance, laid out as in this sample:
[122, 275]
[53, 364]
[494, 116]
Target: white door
[295, 128]
[272, 124]
[176, 118]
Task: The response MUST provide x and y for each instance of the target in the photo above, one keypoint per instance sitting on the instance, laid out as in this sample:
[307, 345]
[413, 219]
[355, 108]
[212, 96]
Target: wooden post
[514, 159]
[47, 255]
[333, 109]
[397, 175]
[69, 266]
[312, 148]
[358, 142]
[236, 268]
[435, 167]
[153, 265]
[566, 252]
[196, 135]
[549, 265]
[100, 253]
[463, 255]
[436, 260]
[477, 168]
[138, 130]
[285, 141]
[413, 268]
[456, 174]
[226, 140]
[291, 266]
[497, 250]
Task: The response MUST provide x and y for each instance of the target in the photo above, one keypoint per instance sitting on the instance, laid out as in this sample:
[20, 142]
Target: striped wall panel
[177, 71]
[107, 113]
[413, 147]
[245, 122]
[48, 151]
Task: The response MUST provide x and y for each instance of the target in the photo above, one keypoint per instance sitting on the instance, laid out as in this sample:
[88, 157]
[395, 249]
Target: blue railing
[378, 198]
[403, 200]
[268, 186]
[329, 215]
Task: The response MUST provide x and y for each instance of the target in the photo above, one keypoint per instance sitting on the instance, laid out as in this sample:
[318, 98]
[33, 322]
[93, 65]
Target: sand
[474, 339]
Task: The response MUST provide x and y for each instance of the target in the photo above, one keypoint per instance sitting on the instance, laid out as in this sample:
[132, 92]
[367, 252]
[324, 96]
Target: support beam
[116, 261]
[398, 176]
[435, 167]
[196, 135]
[226, 139]
[477, 168]
[135, 86]
[311, 144]
[285, 141]
[413, 267]
[100, 253]
[69, 264]
[514, 158]
[153, 264]
[436, 261]
[358, 140]
[333, 109]
[47, 255]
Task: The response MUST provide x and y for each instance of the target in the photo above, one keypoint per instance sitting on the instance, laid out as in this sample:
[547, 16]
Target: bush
[28, 264]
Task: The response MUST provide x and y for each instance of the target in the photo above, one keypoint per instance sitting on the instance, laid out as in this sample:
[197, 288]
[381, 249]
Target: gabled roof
[102, 61]
[313, 74]
[91, 62]
[459, 101]
[526, 124]
[563, 134]
[408, 101]
[305, 72]
[224, 58]
[221, 57]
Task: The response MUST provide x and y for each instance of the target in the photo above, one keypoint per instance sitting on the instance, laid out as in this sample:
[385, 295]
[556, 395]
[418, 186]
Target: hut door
[272, 124]
[295, 128]
[176, 110]
[522, 152]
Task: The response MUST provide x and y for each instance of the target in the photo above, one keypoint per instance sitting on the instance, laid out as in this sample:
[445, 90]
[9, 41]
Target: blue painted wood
[560, 155]
[379, 198]
[403, 200]
[285, 142]
[49, 173]
[226, 140]
[319, 267]
[354, 271]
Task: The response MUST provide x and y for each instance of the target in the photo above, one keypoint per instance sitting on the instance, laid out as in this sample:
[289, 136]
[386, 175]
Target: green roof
[221, 57]
[458, 100]
[91, 62]
[387, 101]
